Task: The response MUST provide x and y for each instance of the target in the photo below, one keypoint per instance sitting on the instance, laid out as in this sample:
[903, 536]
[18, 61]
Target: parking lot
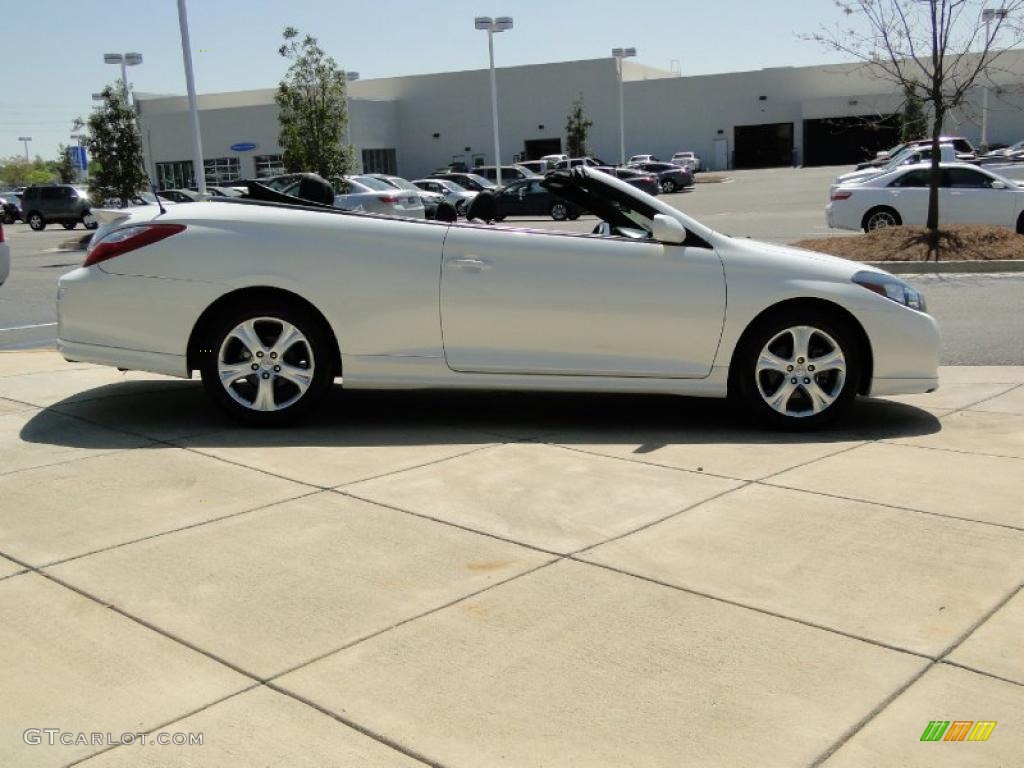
[467, 580]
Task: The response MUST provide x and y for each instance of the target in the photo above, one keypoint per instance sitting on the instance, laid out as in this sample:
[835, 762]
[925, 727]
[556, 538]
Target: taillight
[842, 194]
[127, 239]
[388, 199]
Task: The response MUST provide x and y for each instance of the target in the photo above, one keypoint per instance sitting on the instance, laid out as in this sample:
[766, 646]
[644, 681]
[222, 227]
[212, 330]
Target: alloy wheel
[801, 371]
[265, 364]
[881, 220]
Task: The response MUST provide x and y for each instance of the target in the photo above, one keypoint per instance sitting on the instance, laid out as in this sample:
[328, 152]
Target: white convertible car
[271, 303]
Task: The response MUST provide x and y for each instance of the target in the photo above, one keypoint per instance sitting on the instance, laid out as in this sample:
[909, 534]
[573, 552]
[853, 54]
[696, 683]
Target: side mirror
[998, 185]
[668, 230]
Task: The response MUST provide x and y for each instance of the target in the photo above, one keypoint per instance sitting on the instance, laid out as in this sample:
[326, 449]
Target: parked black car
[671, 177]
[56, 203]
[647, 182]
[528, 198]
[10, 207]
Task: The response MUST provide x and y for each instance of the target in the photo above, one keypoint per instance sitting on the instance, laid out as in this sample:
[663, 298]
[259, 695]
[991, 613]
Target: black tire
[752, 388]
[69, 224]
[1020, 224]
[668, 186]
[880, 217]
[559, 211]
[8, 218]
[36, 221]
[319, 346]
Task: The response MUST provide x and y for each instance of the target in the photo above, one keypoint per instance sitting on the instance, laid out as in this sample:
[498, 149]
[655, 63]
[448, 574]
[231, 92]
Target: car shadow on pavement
[179, 412]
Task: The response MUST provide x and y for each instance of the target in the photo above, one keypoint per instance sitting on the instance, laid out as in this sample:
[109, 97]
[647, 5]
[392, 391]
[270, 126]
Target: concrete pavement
[506, 579]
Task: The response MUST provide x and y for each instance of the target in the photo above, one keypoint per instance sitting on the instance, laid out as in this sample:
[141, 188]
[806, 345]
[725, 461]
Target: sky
[52, 68]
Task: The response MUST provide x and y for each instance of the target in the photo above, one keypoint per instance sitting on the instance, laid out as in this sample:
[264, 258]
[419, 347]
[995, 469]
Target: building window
[380, 161]
[220, 170]
[175, 175]
[268, 165]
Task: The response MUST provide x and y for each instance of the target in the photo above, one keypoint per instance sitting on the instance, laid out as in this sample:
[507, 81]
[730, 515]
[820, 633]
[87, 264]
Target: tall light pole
[620, 54]
[193, 107]
[492, 26]
[125, 60]
[350, 77]
[987, 15]
[26, 140]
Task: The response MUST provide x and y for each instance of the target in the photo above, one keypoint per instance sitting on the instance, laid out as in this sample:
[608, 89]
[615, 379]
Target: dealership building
[822, 115]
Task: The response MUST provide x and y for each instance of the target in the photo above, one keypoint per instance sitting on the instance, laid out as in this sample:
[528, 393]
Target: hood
[803, 262]
[867, 173]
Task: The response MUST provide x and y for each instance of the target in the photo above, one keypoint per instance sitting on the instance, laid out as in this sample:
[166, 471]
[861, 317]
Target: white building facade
[413, 125]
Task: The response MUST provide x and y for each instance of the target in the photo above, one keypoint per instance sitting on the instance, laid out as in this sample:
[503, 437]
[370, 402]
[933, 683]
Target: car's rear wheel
[70, 224]
[267, 365]
[559, 211]
[798, 369]
[668, 186]
[36, 221]
[881, 218]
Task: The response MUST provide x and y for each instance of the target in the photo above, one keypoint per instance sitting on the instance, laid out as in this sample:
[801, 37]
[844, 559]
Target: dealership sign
[244, 146]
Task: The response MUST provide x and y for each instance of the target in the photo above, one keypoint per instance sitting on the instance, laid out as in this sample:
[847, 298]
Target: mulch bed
[968, 242]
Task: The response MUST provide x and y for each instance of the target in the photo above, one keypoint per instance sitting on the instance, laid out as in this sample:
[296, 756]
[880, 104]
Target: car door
[907, 194]
[534, 302]
[511, 200]
[967, 197]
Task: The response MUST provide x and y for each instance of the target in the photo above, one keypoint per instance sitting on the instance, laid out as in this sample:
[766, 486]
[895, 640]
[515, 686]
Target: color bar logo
[958, 730]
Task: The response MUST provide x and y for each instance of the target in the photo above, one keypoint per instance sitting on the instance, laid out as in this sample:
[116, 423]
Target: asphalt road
[982, 316]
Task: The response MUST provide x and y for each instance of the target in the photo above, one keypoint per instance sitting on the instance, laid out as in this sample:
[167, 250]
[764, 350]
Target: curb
[948, 267]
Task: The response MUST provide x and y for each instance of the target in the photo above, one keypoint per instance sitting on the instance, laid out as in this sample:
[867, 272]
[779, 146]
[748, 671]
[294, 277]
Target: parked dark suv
[56, 204]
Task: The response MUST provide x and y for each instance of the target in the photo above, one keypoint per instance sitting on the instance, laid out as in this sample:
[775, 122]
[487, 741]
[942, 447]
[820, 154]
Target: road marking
[26, 327]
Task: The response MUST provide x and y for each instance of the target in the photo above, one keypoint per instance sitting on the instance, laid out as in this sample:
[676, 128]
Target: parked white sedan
[270, 303]
[968, 195]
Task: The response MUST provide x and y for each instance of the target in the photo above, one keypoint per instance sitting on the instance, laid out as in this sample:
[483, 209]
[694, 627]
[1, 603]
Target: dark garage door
[848, 140]
[763, 146]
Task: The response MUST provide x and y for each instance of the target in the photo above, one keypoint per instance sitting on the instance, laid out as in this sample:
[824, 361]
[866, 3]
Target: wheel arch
[820, 305]
[875, 209]
[202, 326]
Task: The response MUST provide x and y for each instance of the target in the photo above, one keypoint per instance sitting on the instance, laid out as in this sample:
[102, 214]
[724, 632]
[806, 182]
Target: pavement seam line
[839, 497]
[180, 529]
[753, 608]
[969, 406]
[982, 672]
[257, 679]
[390, 473]
[959, 451]
[934, 662]
[169, 723]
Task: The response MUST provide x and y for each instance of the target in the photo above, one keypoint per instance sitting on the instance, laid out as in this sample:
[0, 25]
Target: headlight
[892, 288]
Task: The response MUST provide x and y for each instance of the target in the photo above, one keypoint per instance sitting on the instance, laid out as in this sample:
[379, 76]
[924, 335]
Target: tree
[64, 167]
[913, 121]
[313, 109]
[113, 139]
[934, 51]
[18, 172]
[577, 129]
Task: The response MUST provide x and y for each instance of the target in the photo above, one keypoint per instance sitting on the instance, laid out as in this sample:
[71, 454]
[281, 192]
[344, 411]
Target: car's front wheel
[559, 211]
[797, 369]
[269, 365]
[668, 186]
[36, 221]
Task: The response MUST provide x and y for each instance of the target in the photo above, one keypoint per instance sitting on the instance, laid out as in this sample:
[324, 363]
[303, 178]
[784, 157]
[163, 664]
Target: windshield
[485, 183]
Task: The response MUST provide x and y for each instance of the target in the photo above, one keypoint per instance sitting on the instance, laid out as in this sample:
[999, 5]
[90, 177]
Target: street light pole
[620, 54]
[987, 15]
[26, 140]
[193, 107]
[493, 26]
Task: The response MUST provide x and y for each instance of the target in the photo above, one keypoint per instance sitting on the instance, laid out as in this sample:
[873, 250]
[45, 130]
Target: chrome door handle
[470, 262]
